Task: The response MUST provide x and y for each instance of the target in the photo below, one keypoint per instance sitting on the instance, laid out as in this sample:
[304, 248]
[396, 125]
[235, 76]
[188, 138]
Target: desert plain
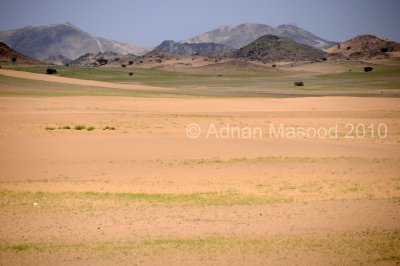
[97, 169]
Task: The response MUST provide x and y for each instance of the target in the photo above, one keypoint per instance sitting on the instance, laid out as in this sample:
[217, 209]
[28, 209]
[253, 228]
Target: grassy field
[241, 82]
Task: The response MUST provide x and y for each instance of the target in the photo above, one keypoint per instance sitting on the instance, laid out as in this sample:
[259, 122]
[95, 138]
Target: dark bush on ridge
[299, 83]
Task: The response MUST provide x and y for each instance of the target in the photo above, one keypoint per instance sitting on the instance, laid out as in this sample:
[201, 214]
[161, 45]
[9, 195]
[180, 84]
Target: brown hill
[364, 47]
[9, 55]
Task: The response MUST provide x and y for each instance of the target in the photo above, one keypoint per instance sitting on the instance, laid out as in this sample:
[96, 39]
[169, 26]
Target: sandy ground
[145, 193]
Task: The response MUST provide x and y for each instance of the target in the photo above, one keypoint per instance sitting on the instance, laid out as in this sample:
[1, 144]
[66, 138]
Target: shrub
[79, 127]
[384, 50]
[130, 62]
[368, 69]
[273, 65]
[66, 127]
[50, 128]
[51, 71]
[90, 128]
[102, 61]
[108, 128]
[123, 65]
[14, 59]
[130, 73]
[299, 83]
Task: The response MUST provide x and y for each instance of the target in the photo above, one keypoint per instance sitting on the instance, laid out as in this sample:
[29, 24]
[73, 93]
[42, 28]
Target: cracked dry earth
[145, 193]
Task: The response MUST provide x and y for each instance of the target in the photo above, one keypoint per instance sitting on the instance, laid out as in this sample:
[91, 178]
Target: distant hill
[62, 39]
[101, 59]
[270, 48]
[187, 49]
[58, 60]
[238, 36]
[364, 47]
[7, 54]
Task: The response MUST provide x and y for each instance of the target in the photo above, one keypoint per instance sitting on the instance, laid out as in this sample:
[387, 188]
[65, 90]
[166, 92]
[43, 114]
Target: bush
[273, 65]
[79, 127]
[109, 128]
[66, 127]
[384, 50]
[50, 128]
[130, 62]
[51, 71]
[102, 61]
[130, 73]
[299, 83]
[13, 59]
[368, 69]
[123, 65]
[90, 128]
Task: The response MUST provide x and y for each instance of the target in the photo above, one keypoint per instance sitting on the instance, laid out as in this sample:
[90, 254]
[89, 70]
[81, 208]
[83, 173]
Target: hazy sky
[149, 22]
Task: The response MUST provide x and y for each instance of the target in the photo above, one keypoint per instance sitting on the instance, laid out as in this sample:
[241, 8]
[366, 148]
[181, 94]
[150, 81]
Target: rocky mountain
[271, 48]
[10, 55]
[104, 58]
[238, 36]
[185, 49]
[62, 39]
[364, 47]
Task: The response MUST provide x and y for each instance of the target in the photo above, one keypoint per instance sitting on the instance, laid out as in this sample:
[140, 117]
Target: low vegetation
[51, 71]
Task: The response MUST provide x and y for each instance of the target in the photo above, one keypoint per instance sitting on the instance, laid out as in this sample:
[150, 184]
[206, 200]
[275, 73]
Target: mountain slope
[62, 39]
[364, 47]
[238, 36]
[209, 49]
[7, 54]
[270, 48]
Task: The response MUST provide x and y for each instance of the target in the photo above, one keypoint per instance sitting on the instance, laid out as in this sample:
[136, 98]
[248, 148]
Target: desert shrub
[130, 73]
[348, 47]
[66, 127]
[368, 69]
[273, 65]
[384, 50]
[299, 83]
[102, 61]
[50, 128]
[324, 58]
[123, 65]
[109, 128]
[130, 62]
[13, 59]
[79, 127]
[51, 71]
[90, 128]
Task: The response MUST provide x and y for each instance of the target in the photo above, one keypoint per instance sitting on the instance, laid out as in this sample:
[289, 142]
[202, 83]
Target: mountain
[271, 48]
[364, 47]
[9, 55]
[238, 36]
[208, 49]
[62, 39]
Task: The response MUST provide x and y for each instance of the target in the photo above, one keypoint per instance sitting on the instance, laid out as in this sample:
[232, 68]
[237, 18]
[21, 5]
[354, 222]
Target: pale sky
[149, 22]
